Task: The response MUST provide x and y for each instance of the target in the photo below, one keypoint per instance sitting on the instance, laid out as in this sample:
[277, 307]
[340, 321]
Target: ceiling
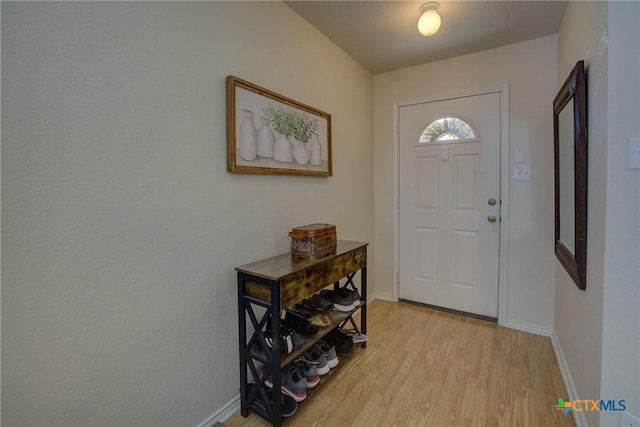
[383, 35]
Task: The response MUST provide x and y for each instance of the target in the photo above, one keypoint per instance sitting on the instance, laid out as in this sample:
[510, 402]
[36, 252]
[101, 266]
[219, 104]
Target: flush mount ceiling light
[429, 22]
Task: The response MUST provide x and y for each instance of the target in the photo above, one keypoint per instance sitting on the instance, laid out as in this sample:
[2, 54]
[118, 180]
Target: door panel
[465, 183]
[428, 254]
[428, 183]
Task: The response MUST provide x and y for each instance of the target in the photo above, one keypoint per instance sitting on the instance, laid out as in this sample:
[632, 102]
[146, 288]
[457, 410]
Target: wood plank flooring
[424, 367]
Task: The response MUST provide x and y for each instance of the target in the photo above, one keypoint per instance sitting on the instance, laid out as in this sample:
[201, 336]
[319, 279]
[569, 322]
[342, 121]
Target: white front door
[450, 203]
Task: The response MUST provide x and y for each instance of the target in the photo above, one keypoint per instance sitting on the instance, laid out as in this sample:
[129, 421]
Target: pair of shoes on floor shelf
[341, 341]
[294, 383]
[323, 356]
[288, 404]
[343, 299]
[304, 373]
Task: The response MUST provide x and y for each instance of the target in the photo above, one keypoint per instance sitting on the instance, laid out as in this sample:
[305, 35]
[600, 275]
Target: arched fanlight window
[447, 129]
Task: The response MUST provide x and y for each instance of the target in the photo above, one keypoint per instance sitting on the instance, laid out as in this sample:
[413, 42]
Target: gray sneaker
[309, 371]
[316, 357]
[329, 353]
[341, 298]
[294, 384]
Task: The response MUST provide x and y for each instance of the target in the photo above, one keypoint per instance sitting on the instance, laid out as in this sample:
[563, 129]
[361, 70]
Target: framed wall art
[269, 133]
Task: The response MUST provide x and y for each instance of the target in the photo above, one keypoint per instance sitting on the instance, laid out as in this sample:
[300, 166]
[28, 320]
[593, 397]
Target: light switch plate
[520, 155]
[522, 173]
[634, 152]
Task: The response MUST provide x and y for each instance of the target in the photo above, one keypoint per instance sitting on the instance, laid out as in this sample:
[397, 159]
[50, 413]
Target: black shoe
[321, 302]
[308, 304]
[299, 323]
[355, 296]
[341, 298]
[302, 311]
[342, 342]
[288, 405]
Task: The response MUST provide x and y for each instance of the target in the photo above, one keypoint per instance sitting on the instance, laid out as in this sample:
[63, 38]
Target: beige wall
[598, 330]
[529, 69]
[578, 314]
[621, 299]
[120, 224]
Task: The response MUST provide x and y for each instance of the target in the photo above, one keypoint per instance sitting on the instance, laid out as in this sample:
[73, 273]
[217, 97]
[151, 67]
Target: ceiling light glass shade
[429, 23]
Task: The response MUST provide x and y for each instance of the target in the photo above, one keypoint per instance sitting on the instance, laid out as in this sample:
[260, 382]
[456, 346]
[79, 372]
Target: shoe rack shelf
[265, 289]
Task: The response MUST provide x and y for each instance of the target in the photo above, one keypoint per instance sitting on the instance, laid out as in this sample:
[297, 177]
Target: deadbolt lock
[491, 202]
[491, 218]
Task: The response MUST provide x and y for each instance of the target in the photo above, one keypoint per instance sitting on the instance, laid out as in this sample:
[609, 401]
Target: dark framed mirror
[570, 146]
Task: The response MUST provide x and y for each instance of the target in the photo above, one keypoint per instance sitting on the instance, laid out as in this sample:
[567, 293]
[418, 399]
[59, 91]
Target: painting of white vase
[273, 134]
[300, 153]
[282, 149]
[266, 138]
[248, 136]
[316, 150]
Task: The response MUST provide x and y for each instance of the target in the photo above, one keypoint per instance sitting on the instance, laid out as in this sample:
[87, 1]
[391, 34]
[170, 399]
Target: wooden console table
[275, 284]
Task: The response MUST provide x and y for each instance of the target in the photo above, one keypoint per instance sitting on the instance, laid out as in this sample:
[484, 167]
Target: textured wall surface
[578, 314]
[621, 308]
[120, 224]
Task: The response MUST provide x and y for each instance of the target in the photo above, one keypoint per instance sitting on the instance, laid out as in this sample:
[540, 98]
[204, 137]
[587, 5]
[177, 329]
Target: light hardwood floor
[424, 367]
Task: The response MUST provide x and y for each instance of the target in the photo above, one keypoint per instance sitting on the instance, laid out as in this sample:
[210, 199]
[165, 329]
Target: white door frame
[504, 188]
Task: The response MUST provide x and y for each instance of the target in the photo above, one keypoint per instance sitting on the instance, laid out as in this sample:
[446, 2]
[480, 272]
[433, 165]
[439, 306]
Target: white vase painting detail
[282, 149]
[266, 139]
[300, 152]
[316, 150]
[248, 136]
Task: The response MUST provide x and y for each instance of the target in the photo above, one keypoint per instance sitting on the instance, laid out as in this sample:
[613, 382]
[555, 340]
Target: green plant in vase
[304, 126]
[281, 122]
[281, 119]
[296, 129]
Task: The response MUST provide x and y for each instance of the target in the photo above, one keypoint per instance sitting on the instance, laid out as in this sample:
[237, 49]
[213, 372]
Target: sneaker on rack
[299, 323]
[341, 299]
[303, 311]
[268, 381]
[311, 305]
[317, 358]
[342, 342]
[286, 331]
[329, 353]
[355, 296]
[296, 339]
[321, 302]
[288, 404]
[357, 337]
[309, 371]
[286, 345]
[294, 384]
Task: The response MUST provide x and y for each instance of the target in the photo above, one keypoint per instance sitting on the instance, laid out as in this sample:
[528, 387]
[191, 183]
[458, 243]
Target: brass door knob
[491, 218]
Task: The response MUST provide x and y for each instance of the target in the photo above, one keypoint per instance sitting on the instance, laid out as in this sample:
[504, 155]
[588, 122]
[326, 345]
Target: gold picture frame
[268, 133]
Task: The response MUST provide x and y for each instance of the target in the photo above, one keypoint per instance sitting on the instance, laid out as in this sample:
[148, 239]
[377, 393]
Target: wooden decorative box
[313, 240]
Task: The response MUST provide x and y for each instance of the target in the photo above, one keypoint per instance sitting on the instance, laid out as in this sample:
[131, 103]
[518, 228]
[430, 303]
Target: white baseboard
[578, 417]
[527, 327]
[224, 413]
